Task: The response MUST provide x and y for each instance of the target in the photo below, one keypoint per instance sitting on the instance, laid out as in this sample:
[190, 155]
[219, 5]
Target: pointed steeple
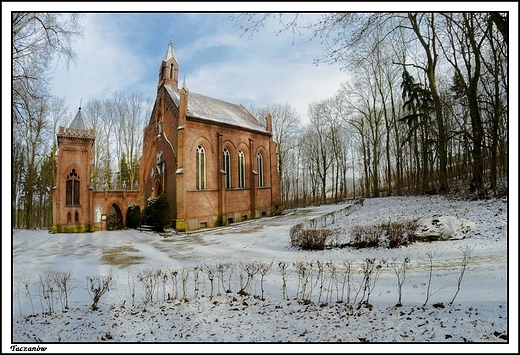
[169, 53]
[184, 84]
[77, 122]
[169, 72]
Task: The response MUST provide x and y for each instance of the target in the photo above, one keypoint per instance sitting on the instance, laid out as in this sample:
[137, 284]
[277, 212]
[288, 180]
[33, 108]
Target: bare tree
[286, 127]
[363, 41]
[92, 113]
[138, 108]
[34, 132]
[495, 85]
[38, 38]
[321, 145]
[467, 37]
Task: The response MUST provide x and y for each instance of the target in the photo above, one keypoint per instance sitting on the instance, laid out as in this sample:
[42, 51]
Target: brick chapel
[213, 160]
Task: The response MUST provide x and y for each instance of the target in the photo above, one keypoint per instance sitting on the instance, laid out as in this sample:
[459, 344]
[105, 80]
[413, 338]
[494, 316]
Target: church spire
[169, 72]
[170, 53]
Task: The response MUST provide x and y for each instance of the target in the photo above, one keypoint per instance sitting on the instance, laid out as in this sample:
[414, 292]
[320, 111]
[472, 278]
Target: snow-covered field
[172, 288]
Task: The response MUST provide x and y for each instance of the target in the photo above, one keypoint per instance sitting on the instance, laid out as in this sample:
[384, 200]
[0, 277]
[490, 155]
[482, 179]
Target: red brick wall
[75, 153]
[213, 206]
[105, 199]
[75, 149]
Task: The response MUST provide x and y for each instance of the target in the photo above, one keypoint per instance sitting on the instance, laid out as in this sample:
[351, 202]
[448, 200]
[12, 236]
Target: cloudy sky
[122, 52]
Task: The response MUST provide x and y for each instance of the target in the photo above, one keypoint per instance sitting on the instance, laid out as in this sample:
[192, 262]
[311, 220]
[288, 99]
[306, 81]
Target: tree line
[423, 109]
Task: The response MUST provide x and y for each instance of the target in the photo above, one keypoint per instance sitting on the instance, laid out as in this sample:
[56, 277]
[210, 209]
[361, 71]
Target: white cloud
[260, 83]
[213, 56]
[104, 65]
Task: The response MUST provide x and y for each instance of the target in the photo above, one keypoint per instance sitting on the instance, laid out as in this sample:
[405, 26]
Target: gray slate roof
[218, 111]
[77, 122]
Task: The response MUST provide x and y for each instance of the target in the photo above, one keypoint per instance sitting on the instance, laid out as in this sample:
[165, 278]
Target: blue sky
[122, 52]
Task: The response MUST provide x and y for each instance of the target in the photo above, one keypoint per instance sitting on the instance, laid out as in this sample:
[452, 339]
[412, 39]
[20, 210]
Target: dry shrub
[366, 236]
[295, 234]
[389, 234]
[310, 239]
[395, 232]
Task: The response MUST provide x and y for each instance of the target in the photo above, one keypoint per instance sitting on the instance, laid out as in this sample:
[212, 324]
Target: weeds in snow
[400, 267]
[97, 286]
[466, 257]
[349, 281]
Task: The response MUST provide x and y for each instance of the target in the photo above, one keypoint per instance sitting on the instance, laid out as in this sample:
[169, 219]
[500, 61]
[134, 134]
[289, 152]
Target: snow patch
[444, 227]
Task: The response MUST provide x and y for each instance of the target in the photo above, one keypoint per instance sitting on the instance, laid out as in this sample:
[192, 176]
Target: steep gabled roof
[218, 111]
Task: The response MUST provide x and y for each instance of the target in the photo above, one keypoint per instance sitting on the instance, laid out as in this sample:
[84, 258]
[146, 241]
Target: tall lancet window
[260, 161]
[171, 71]
[200, 168]
[241, 170]
[227, 168]
[72, 189]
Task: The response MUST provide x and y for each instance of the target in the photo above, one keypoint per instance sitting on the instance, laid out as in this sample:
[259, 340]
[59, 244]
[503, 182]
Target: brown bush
[310, 239]
[365, 236]
[390, 234]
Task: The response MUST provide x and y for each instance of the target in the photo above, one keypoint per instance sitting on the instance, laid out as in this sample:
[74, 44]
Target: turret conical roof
[77, 122]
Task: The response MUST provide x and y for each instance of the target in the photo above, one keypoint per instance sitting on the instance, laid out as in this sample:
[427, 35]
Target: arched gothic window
[72, 189]
[227, 167]
[241, 170]
[260, 161]
[68, 217]
[171, 71]
[200, 168]
[76, 216]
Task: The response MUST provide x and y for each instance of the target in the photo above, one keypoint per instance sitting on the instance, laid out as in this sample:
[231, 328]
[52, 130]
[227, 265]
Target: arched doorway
[114, 218]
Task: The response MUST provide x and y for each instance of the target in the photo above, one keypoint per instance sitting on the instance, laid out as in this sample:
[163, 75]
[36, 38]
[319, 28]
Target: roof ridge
[215, 98]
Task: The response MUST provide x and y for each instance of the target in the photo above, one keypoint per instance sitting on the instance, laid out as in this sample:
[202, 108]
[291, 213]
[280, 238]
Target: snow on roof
[218, 111]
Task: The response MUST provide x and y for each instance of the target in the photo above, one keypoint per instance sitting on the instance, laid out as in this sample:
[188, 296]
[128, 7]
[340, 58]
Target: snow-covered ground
[171, 288]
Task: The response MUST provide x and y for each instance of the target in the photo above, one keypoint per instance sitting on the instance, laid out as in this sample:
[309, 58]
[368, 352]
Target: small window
[76, 217]
[69, 219]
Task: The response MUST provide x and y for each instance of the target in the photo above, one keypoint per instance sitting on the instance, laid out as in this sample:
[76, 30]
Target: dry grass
[118, 256]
